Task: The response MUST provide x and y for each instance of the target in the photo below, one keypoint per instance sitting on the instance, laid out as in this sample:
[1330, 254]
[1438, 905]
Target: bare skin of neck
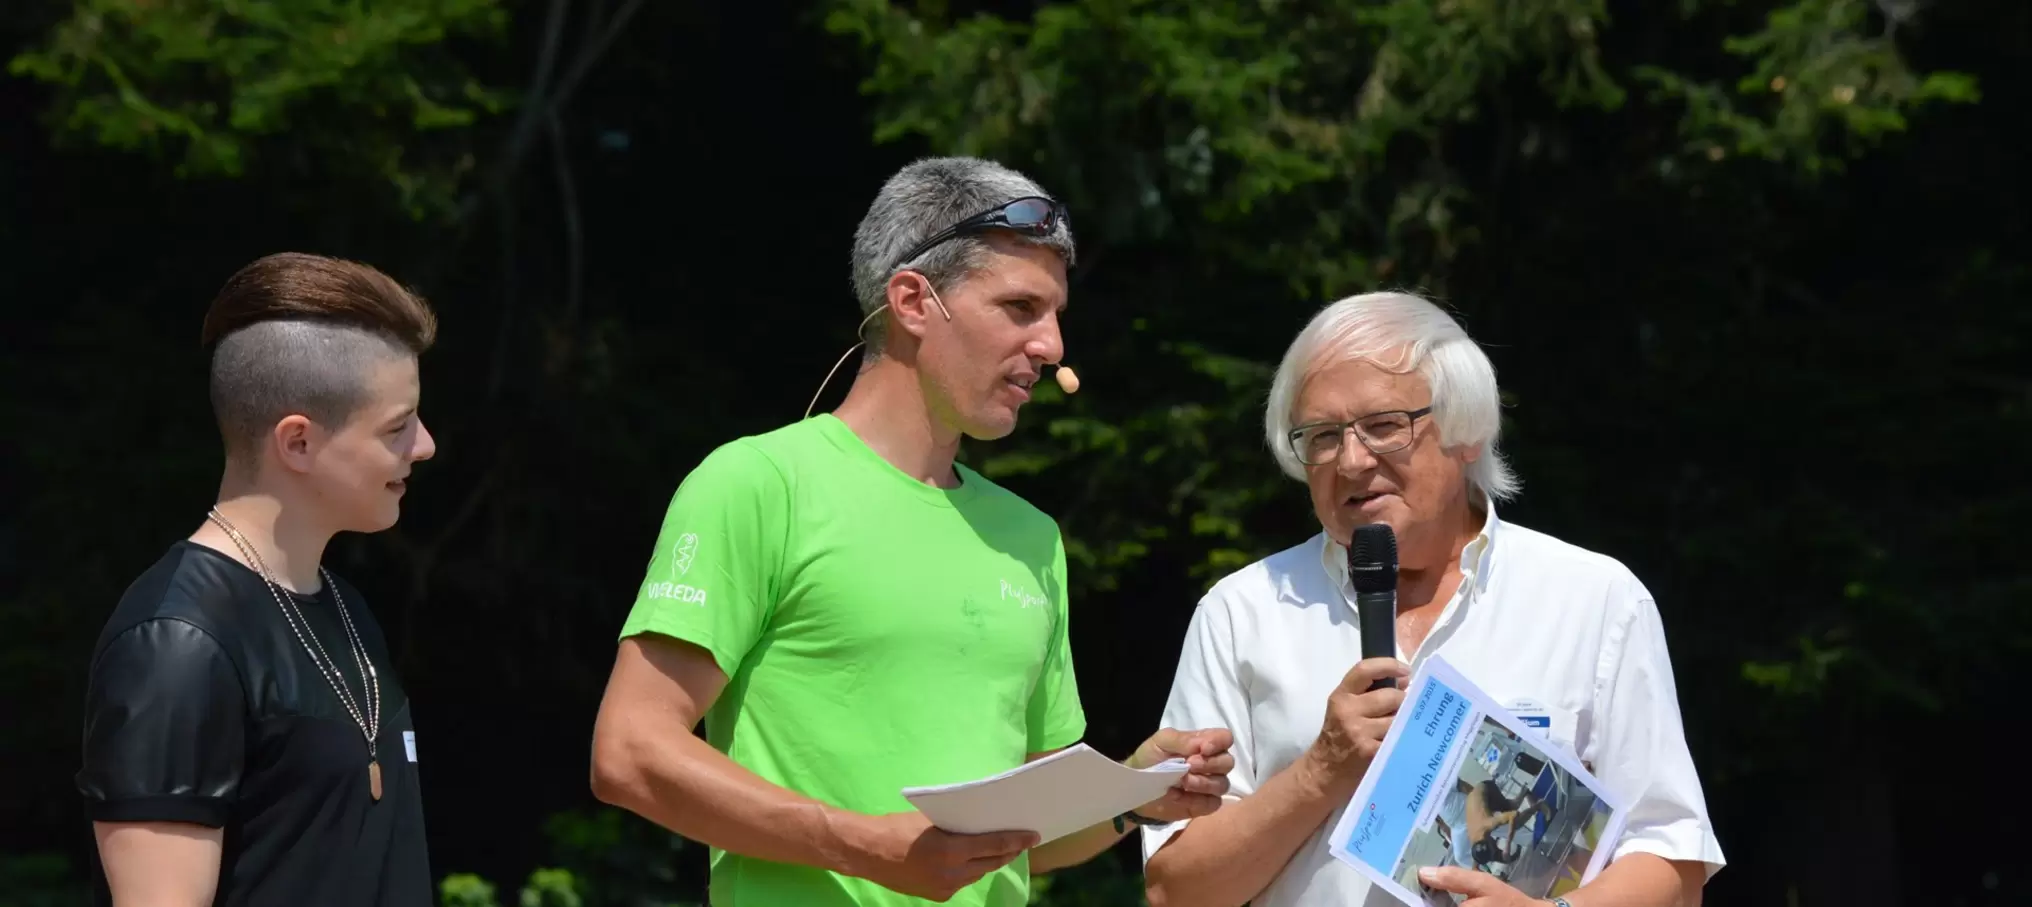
[887, 408]
[1427, 579]
[287, 543]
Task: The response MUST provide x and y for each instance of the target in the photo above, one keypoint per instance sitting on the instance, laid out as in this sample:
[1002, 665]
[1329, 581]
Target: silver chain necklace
[368, 719]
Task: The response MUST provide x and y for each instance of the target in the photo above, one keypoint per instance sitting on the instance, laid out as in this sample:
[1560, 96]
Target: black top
[203, 707]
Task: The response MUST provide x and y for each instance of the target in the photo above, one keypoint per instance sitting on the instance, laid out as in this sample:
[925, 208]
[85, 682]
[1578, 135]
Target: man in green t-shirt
[851, 612]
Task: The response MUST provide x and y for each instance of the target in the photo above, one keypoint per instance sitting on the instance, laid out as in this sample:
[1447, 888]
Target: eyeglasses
[1031, 215]
[1316, 443]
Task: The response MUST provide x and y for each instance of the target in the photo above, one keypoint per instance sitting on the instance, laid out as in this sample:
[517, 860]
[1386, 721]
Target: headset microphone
[1067, 380]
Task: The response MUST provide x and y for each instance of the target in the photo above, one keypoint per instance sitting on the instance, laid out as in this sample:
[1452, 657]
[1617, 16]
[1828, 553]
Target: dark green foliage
[1752, 271]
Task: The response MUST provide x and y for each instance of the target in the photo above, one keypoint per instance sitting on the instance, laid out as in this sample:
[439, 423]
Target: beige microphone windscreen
[1067, 380]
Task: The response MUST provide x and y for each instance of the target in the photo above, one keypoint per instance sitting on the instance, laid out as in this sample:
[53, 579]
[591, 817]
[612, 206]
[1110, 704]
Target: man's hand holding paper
[1482, 889]
[1205, 783]
[906, 853]
[1075, 799]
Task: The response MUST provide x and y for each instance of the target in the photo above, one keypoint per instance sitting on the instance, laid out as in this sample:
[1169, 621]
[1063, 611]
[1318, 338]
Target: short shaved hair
[294, 333]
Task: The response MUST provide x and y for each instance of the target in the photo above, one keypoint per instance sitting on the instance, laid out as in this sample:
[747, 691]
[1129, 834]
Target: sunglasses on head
[1032, 216]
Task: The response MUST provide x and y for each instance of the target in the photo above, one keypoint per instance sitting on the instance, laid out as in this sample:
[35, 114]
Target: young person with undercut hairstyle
[246, 739]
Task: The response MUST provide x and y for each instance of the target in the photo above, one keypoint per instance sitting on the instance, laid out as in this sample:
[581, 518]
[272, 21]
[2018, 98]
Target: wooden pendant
[374, 778]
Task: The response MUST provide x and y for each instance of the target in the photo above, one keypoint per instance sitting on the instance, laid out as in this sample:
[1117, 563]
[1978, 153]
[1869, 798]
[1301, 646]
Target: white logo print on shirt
[681, 555]
[687, 545]
[1010, 590]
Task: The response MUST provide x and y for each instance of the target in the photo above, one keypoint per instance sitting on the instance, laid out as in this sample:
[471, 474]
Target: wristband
[1134, 818]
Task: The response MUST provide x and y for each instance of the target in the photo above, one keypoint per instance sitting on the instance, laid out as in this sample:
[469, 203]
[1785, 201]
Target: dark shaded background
[1796, 407]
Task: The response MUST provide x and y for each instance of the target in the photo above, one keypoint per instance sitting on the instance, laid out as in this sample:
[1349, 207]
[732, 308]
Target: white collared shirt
[1565, 637]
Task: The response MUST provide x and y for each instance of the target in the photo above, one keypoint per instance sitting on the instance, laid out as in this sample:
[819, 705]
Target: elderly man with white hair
[1388, 412]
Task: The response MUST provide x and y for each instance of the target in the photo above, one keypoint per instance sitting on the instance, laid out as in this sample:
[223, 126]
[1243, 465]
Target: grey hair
[1400, 332]
[270, 370]
[921, 199]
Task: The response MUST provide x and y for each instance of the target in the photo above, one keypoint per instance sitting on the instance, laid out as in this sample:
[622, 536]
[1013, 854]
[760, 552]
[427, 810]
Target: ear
[1469, 453]
[295, 440]
[912, 303]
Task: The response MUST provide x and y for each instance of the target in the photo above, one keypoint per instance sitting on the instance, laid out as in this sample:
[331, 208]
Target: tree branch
[422, 557]
[574, 233]
[593, 50]
[546, 100]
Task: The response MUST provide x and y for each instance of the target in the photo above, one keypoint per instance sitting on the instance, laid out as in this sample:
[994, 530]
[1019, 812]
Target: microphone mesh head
[1372, 559]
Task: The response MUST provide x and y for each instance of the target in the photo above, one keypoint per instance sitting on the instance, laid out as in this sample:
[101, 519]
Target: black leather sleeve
[164, 727]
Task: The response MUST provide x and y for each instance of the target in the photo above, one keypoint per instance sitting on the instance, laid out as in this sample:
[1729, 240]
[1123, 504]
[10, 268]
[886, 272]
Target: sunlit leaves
[203, 85]
[1278, 119]
[1819, 82]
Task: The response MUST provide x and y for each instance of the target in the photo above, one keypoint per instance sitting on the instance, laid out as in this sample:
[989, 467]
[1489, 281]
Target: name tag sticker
[409, 744]
[1531, 712]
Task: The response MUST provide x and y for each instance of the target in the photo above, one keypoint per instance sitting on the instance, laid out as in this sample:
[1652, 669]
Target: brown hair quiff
[299, 286]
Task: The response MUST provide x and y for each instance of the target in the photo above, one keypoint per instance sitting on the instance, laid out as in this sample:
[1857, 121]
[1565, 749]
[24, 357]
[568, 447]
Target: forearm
[159, 864]
[685, 785]
[1643, 880]
[1074, 849]
[1228, 857]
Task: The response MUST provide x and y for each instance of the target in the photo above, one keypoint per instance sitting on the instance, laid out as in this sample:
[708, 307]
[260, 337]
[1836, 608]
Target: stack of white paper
[1055, 796]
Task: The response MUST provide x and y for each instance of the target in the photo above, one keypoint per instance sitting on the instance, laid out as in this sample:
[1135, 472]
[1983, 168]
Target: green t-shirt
[877, 633]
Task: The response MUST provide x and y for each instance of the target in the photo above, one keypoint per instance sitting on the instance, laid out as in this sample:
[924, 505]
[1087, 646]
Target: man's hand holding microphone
[1359, 710]
[1358, 714]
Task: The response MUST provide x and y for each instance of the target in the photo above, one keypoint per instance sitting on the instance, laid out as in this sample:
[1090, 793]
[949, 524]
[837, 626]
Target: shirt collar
[1474, 558]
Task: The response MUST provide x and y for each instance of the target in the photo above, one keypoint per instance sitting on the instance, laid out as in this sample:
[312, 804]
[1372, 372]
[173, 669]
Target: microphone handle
[1378, 613]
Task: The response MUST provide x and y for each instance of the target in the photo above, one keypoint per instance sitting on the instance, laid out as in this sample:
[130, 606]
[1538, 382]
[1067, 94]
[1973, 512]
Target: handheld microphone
[1372, 570]
[1067, 380]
